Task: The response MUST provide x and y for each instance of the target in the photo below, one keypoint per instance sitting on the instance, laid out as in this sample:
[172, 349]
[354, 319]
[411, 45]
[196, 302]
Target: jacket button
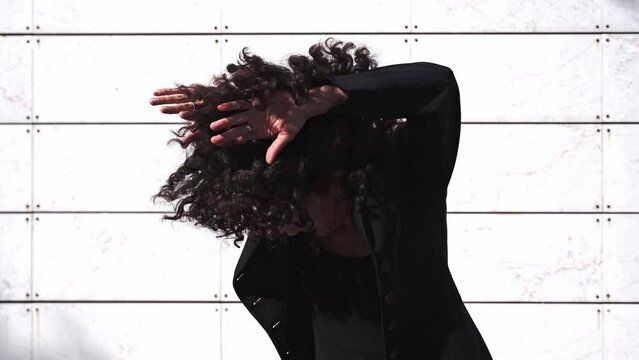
[386, 265]
[389, 298]
[393, 353]
[392, 325]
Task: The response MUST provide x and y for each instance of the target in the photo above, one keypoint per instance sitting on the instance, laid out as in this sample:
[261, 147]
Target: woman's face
[328, 210]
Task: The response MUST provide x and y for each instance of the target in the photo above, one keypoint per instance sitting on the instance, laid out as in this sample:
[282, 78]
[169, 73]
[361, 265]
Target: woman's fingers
[187, 115]
[169, 99]
[235, 105]
[229, 121]
[276, 147]
[231, 136]
[185, 106]
[168, 91]
[189, 137]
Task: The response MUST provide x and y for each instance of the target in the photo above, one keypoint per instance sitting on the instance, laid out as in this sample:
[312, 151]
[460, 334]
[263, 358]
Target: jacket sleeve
[425, 94]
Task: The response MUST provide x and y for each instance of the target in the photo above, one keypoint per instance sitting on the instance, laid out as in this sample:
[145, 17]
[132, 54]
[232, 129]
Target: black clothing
[422, 313]
[346, 313]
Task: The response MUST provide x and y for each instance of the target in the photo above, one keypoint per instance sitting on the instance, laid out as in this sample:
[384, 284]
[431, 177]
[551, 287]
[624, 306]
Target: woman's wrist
[322, 99]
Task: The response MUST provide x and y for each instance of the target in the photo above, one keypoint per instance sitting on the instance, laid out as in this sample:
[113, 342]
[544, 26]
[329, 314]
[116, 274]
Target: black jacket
[423, 316]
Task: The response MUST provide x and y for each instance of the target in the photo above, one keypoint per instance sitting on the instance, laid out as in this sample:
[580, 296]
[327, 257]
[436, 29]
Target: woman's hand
[282, 119]
[177, 101]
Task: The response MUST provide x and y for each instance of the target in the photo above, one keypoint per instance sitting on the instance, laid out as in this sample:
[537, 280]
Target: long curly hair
[231, 189]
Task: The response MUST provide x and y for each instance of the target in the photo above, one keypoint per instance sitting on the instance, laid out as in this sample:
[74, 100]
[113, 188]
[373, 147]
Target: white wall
[543, 206]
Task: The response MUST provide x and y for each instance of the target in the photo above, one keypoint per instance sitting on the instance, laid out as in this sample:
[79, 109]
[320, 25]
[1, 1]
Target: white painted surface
[16, 16]
[621, 257]
[621, 329]
[621, 15]
[15, 167]
[103, 167]
[506, 15]
[621, 167]
[327, 16]
[111, 78]
[388, 49]
[15, 76]
[527, 168]
[15, 331]
[121, 16]
[243, 337]
[525, 257]
[15, 257]
[620, 73]
[517, 78]
[123, 257]
[540, 331]
[102, 331]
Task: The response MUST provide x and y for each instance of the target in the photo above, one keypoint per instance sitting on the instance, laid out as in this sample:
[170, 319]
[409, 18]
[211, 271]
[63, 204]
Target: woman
[338, 170]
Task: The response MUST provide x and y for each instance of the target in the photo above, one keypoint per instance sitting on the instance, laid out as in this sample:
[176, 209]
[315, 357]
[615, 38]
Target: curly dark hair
[231, 189]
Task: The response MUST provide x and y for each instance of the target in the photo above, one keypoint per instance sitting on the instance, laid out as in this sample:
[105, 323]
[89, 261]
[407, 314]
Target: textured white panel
[525, 257]
[15, 331]
[327, 16]
[517, 167]
[16, 16]
[122, 16]
[112, 78]
[229, 256]
[621, 257]
[506, 15]
[243, 337]
[540, 331]
[15, 167]
[621, 167]
[15, 77]
[620, 74]
[103, 167]
[15, 256]
[621, 15]
[129, 331]
[123, 257]
[621, 329]
[532, 78]
[388, 49]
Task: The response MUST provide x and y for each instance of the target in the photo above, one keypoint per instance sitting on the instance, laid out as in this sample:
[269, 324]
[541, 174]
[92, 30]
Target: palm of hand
[281, 118]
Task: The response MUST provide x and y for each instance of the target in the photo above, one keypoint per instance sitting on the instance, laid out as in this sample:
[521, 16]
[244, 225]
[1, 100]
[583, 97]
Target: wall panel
[526, 257]
[327, 16]
[540, 331]
[243, 337]
[121, 16]
[621, 257]
[123, 257]
[17, 16]
[621, 15]
[621, 167]
[620, 74]
[505, 15]
[621, 329]
[104, 331]
[15, 331]
[15, 167]
[15, 77]
[103, 167]
[15, 257]
[111, 78]
[527, 168]
[520, 78]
